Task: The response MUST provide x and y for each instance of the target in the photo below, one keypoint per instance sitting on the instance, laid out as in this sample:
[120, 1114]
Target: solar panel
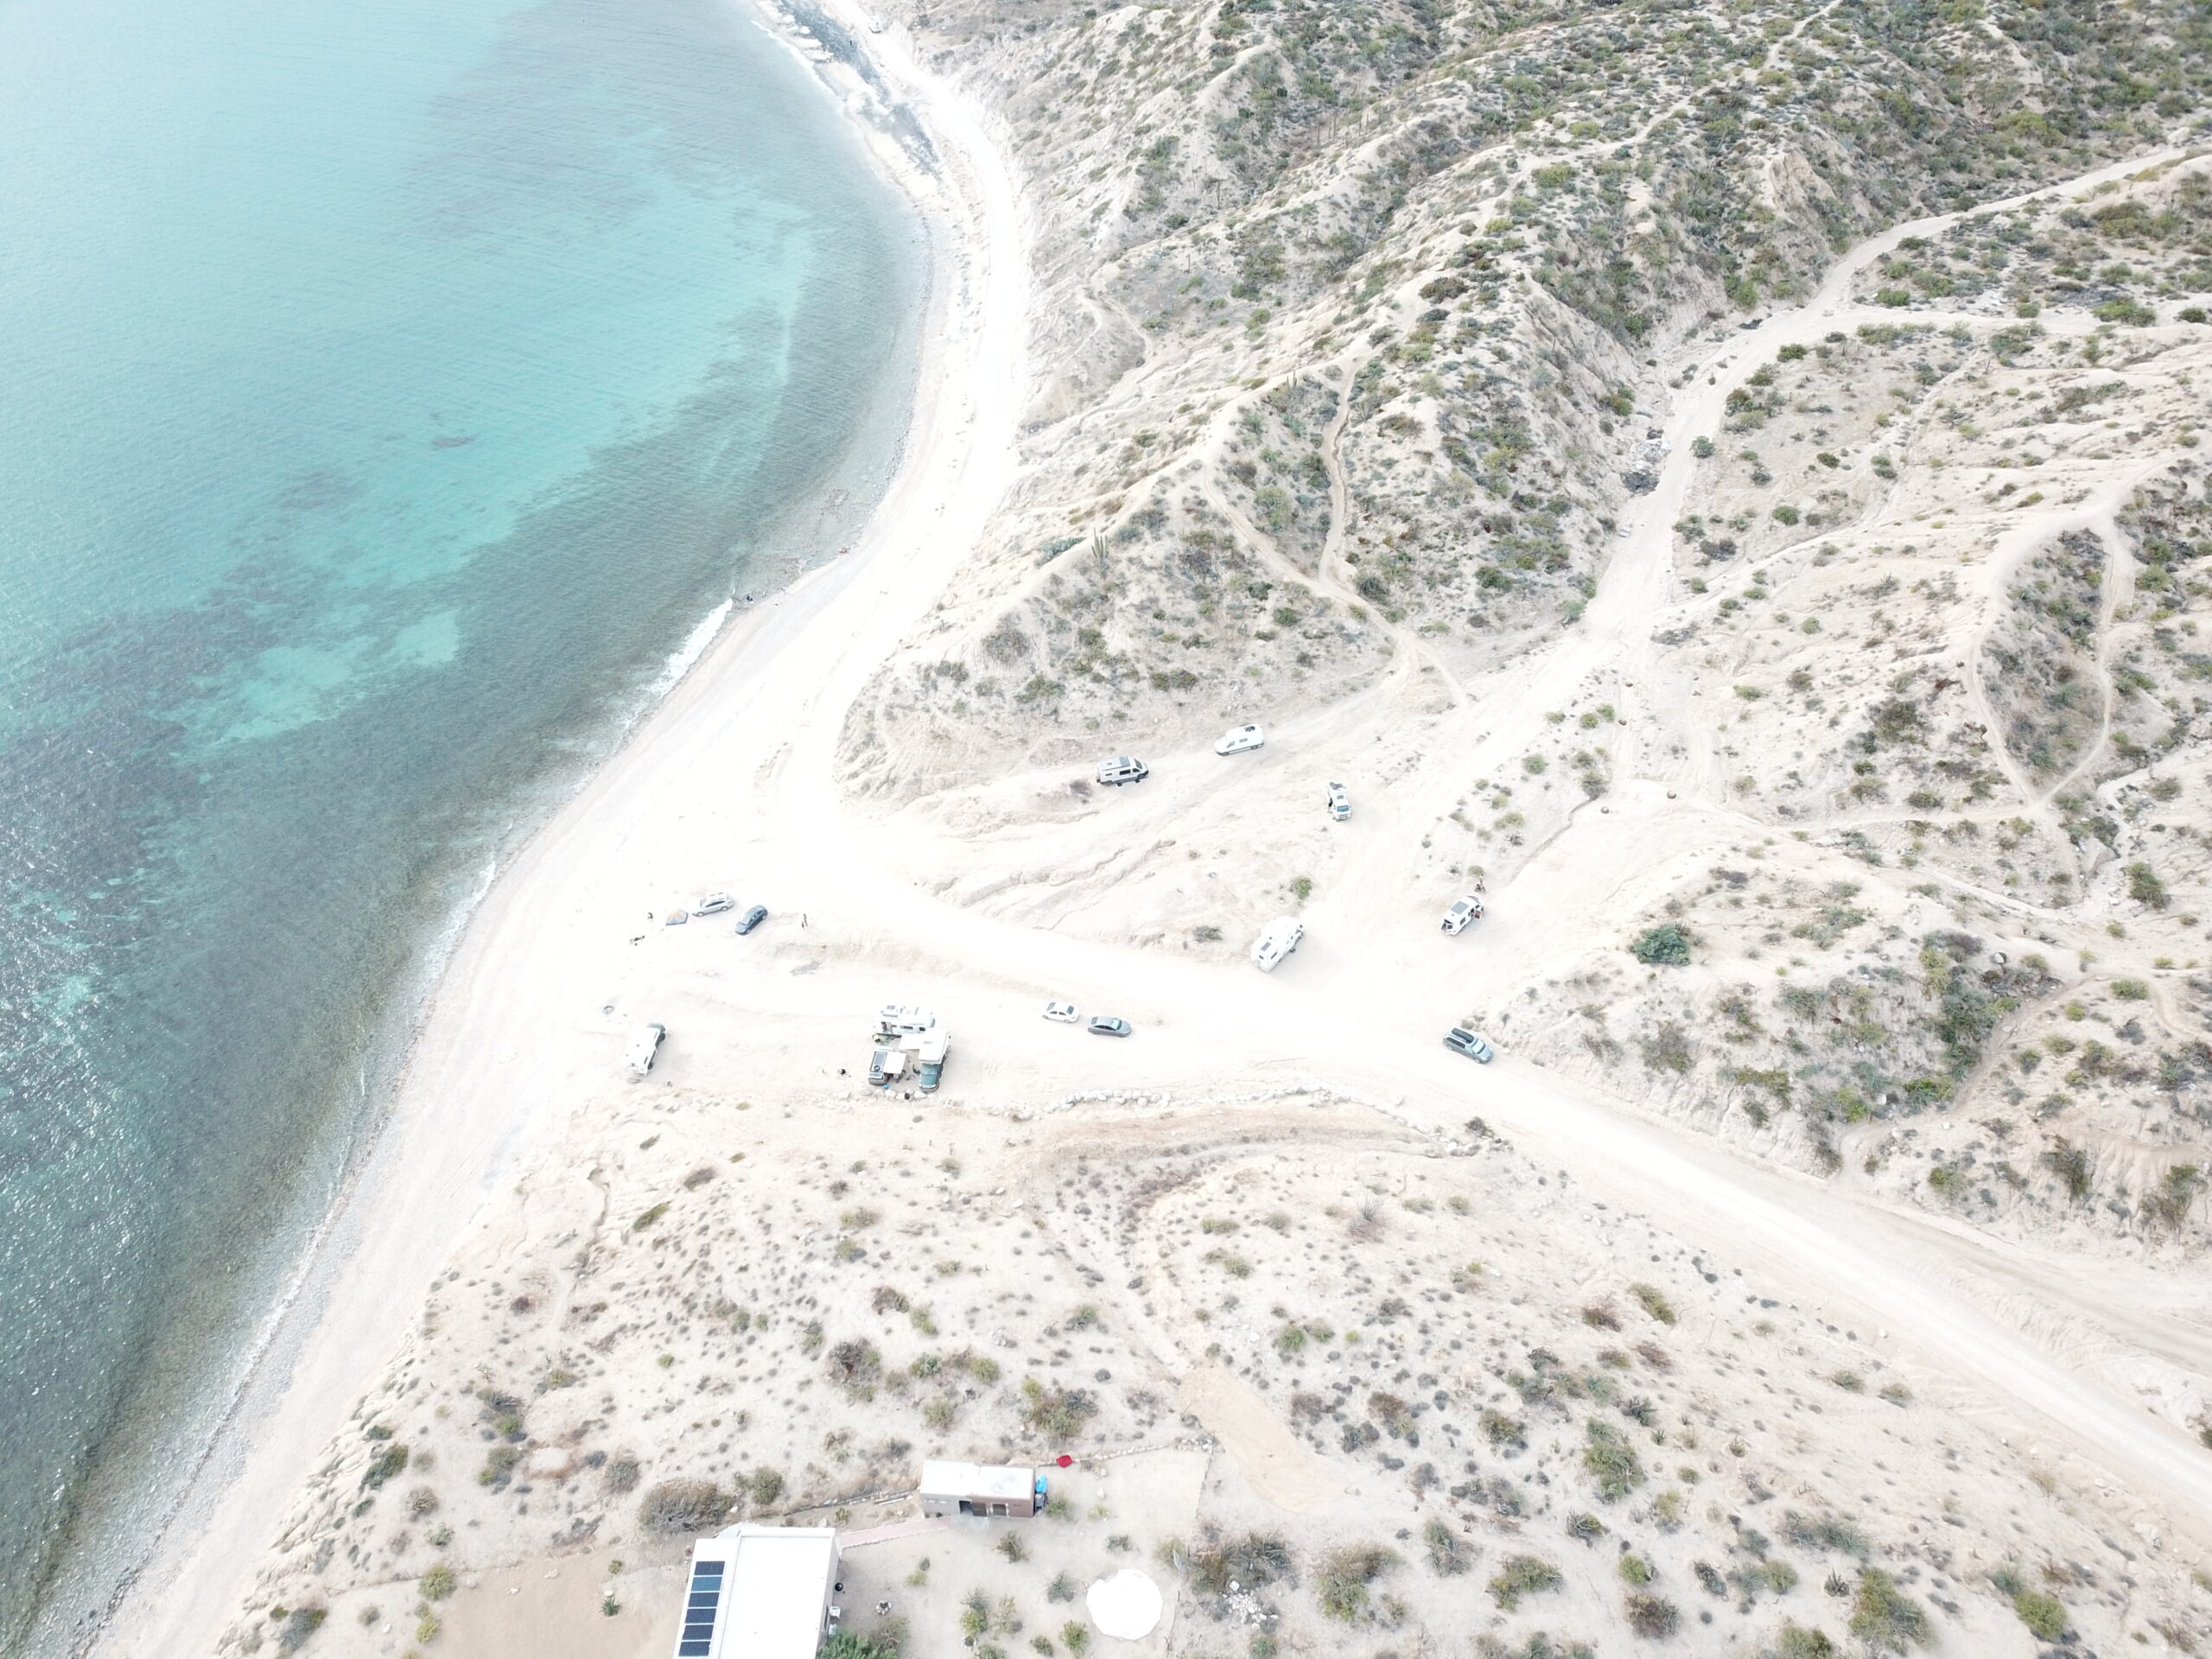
[698, 1638]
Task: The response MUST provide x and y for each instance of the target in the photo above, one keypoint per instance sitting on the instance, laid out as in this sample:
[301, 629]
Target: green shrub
[2045, 1616]
[1612, 1461]
[1664, 946]
[1654, 1302]
[438, 1583]
[391, 1461]
[300, 1624]
[1521, 1575]
[1825, 1532]
[1883, 1617]
[498, 1466]
[856, 1367]
[2144, 887]
[1058, 1414]
[1345, 1575]
[2070, 1164]
[1798, 1643]
[2171, 1199]
[1445, 1554]
[1256, 1559]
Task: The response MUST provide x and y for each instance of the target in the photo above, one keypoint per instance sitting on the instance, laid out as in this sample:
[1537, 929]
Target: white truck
[1464, 911]
[1277, 940]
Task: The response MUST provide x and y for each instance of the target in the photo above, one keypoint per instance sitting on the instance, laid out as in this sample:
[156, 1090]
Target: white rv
[645, 1043]
[1278, 941]
[1463, 911]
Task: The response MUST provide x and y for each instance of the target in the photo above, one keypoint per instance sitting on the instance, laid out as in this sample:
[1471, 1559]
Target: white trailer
[1278, 941]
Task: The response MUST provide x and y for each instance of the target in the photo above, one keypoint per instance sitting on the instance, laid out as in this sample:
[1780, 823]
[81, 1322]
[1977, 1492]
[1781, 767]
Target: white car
[1062, 1012]
[1339, 803]
[1280, 939]
[1241, 739]
[645, 1043]
[1463, 911]
[713, 905]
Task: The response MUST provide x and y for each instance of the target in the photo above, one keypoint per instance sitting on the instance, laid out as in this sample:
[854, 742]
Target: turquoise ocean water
[386, 390]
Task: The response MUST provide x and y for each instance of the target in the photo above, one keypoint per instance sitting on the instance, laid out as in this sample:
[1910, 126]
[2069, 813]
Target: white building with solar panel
[759, 1593]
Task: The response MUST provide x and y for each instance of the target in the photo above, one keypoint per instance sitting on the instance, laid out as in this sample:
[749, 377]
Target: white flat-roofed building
[986, 1489]
[759, 1593]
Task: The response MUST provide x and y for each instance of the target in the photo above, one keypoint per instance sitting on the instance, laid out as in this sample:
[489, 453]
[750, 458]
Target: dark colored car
[753, 918]
[1460, 1040]
[1108, 1025]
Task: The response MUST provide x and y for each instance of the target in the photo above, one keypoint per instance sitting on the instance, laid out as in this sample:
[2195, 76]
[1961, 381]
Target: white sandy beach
[730, 784]
[514, 1036]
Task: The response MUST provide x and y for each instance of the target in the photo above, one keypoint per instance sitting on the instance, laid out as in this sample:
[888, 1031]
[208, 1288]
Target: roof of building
[765, 1601]
[979, 1479]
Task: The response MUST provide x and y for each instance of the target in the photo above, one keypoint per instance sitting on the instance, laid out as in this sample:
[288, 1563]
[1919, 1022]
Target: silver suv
[1460, 1040]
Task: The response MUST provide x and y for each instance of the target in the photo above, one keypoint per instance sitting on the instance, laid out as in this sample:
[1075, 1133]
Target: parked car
[1108, 1025]
[1062, 1012]
[1339, 803]
[1240, 740]
[713, 905]
[1280, 939]
[645, 1043]
[1122, 769]
[1460, 1040]
[1463, 911]
[752, 918]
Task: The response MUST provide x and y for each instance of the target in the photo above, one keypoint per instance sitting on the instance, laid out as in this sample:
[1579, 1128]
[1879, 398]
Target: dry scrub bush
[676, 1506]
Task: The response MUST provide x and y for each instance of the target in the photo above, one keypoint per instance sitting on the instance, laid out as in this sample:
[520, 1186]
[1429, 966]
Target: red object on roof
[1065, 1461]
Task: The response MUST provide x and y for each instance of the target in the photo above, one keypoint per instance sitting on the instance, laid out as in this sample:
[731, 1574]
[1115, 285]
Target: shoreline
[421, 1188]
